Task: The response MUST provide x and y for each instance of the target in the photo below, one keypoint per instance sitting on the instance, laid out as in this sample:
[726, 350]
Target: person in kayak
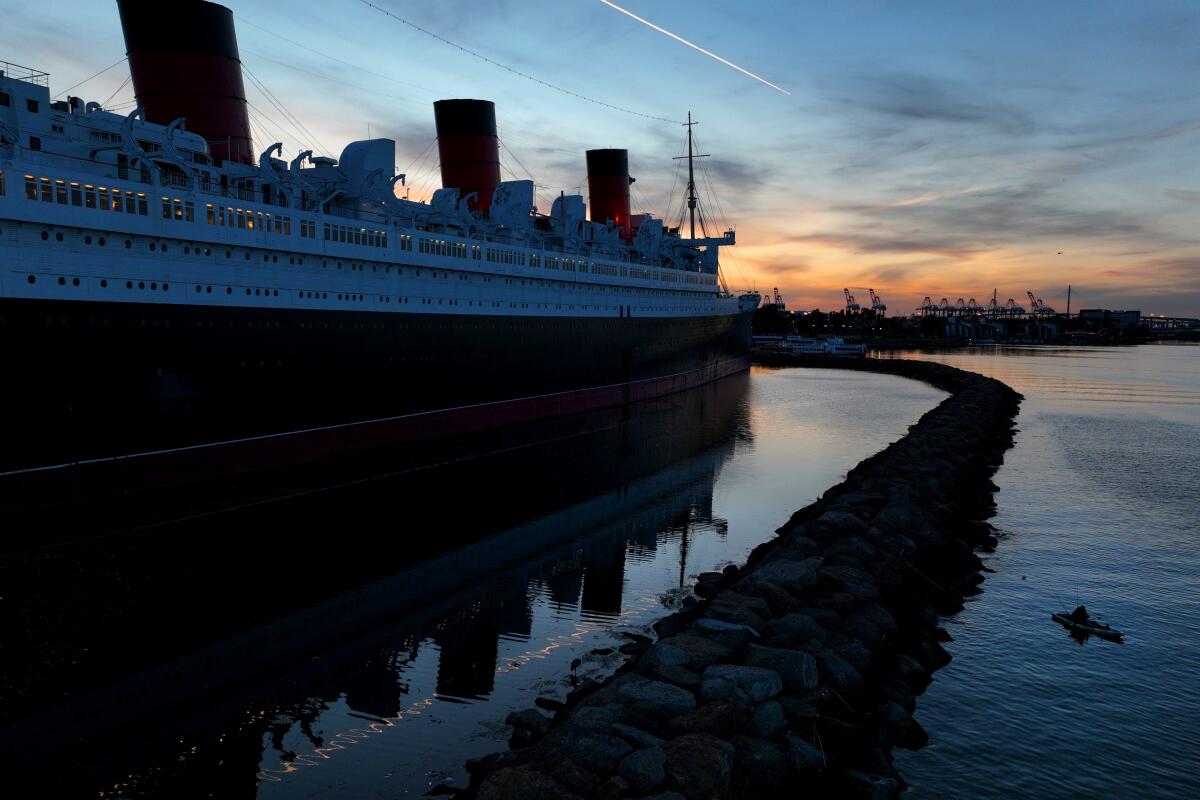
[1079, 615]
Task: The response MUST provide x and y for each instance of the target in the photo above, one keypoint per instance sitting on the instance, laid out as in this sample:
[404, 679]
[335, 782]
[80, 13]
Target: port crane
[1037, 307]
[877, 304]
[779, 299]
[852, 306]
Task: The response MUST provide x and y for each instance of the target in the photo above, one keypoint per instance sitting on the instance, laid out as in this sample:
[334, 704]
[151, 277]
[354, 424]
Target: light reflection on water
[1098, 503]
[403, 706]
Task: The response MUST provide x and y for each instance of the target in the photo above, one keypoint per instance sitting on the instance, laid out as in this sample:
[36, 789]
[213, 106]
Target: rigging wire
[279, 105]
[294, 135]
[334, 58]
[514, 71]
[118, 91]
[97, 75]
[330, 79]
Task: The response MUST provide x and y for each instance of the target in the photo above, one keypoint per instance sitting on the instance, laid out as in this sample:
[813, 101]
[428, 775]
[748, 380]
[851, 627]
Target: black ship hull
[91, 380]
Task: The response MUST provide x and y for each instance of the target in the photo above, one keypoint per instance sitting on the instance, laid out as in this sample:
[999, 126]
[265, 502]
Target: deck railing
[26, 74]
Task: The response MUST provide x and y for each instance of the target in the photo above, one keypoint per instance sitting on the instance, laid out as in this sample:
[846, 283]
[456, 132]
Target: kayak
[1091, 627]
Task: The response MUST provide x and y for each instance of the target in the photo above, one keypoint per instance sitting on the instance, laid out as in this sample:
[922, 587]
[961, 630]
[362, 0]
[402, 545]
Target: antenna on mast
[691, 187]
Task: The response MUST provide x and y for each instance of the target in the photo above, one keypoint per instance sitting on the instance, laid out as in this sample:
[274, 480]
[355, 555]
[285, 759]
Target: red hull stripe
[104, 477]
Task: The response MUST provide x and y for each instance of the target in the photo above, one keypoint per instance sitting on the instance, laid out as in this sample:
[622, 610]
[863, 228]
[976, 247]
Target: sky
[946, 148]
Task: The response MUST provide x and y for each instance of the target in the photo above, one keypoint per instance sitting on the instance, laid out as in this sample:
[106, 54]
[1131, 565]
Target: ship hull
[96, 380]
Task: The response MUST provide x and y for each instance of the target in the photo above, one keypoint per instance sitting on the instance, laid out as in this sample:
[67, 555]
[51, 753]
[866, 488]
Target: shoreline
[802, 667]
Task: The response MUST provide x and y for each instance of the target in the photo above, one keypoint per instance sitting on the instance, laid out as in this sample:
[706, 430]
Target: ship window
[287, 226]
[166, 208]
[89, 196]
[5, 100]
[102, 193]
[30, 188]
[118, 204]
[189, 211]
[143, 205]
[210, 214]
[47, 192]
[35, 143]
[3, 188]
[32, 105]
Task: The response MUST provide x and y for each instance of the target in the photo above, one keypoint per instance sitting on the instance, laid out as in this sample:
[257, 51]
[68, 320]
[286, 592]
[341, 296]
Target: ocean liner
[165, 285]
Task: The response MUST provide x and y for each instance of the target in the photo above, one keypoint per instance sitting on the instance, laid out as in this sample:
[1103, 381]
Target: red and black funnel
[608, 188]
[468, 148]
[183, 57]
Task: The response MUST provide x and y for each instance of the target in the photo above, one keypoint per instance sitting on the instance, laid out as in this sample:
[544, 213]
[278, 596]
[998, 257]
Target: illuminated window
[3, 187]
[189, 210]
[47, 191]
[102, 194]
[143, 205]
[31, 191]
[89, 196]
[166, 208]
[210, 214]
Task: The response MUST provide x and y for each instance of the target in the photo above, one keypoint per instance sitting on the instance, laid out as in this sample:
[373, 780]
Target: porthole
[187, 251]
[228, 290]
[247, 256]
[247, 292]
[102, 241]
[275, 293]
[208, 290]
[58, 237]
[256, 292]
[128, 284]
[45, 235]
[128, 244]
[197, 288]
[228, 253]
[266, 258]
[62, 281]
[164, 248]
[154, 286]
[153, 247]
[166, 286]
[74, 281]
[274, 259]
[103, 283]
[291, 261]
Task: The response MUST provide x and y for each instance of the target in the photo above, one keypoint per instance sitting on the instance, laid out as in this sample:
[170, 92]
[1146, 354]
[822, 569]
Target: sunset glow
[966, 148]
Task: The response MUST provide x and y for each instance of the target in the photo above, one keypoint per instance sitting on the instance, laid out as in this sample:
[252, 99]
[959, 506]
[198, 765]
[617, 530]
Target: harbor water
[489, 576]
[445, 596]
[1098, 504]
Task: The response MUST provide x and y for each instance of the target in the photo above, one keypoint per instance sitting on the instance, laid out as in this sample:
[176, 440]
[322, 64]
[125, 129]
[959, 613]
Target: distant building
[1113, 320]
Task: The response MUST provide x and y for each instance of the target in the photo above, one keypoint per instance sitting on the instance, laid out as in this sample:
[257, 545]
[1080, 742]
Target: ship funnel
[183, 58]
[608, 188]
[468, 148]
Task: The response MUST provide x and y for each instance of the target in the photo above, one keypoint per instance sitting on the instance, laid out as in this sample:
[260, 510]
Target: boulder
[767, 720]
[839, 522]
[706, 583]
[795, 629]
[680, 676]
[761, 766]
[837, 671]
[722, 719]
[907, 732]
[662, 653]
[595, 751]
[797, 668]
[778, 598]
[727, 634]
[657, 700]
[800, 714]
[738, 608]
[636, 736]
[644, 770]
[522, 783]
[529, 720]
[751, 685]
[860, 785]
[850, 580]
[804, 757]
[702, 651]
[793, 575]
[699, 765]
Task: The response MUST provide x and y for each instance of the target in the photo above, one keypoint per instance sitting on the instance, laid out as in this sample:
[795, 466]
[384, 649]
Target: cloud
[921, 98]
[1184, 195]
[899, 243]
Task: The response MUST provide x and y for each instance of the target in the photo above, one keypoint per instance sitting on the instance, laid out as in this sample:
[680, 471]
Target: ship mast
[691, 187]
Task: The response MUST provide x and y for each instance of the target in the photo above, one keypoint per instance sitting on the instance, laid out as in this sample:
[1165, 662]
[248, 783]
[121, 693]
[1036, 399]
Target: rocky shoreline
[799, 670]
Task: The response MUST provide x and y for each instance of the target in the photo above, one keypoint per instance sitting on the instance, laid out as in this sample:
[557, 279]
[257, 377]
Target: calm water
[392, 692]
[1098, 504]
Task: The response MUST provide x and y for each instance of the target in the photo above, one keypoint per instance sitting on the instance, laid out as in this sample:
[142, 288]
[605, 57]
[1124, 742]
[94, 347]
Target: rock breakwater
[801, 669]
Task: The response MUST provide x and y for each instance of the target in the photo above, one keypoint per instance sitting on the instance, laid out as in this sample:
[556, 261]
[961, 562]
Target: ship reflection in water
[491, 575]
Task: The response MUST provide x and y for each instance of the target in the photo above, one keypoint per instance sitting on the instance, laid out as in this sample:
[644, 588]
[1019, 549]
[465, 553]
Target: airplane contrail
[681, 40]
